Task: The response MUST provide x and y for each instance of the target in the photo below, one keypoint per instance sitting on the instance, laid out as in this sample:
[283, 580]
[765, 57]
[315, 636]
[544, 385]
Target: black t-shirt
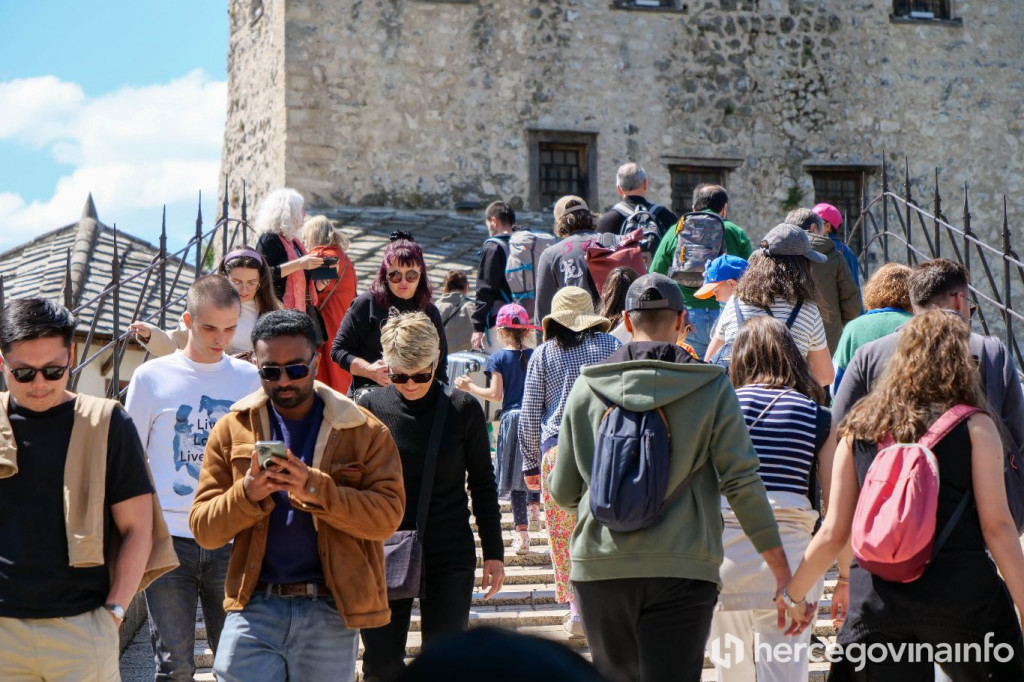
[35, 578]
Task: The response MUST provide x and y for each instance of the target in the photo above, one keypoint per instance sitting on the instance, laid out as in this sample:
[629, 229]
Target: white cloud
[135, 149]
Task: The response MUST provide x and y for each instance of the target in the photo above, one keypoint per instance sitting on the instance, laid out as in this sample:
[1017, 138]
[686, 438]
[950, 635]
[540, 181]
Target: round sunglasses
[395, 276]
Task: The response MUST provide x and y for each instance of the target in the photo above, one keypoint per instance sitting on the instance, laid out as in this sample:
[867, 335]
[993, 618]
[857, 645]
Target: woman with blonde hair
[408, 407]
[574, 335]
[887, 308]
[960, 599]
[279, 226]
[335, 287]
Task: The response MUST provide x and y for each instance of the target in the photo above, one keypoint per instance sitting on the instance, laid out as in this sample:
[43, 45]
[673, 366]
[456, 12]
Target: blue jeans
[171, 600]
[703, 321]
[286, 638]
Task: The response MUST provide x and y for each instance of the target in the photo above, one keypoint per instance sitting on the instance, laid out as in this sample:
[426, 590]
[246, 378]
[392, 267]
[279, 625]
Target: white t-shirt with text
[174, 403]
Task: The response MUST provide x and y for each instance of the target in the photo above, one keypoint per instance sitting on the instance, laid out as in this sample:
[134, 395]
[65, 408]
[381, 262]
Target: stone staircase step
[538, 556]
[523, 575]
[537, 539]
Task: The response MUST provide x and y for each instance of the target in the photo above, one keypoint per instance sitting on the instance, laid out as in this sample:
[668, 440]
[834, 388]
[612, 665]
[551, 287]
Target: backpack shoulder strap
[739, 313]
[946, 423]
[623, 209]
[793, 315]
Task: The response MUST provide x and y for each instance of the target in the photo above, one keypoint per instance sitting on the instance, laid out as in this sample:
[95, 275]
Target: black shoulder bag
[403, 551]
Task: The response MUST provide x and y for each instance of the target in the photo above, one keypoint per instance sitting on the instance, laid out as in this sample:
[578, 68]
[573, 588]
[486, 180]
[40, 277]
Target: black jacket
[611, 221]
[492, 290]
[359, 334]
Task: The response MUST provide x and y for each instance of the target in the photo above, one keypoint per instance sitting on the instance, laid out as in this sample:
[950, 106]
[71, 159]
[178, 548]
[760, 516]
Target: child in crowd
[720, 278]
[507, 369]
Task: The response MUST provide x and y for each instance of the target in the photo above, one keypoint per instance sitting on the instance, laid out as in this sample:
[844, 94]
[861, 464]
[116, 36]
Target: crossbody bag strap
[768, 407]
[430, 463]
[337, 283]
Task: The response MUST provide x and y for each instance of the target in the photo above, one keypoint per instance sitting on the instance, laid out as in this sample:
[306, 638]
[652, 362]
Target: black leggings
[444, 609]
[520, 500]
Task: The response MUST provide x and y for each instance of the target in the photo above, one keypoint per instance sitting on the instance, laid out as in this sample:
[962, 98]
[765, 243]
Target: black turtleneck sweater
[359, 334]
[463, 458]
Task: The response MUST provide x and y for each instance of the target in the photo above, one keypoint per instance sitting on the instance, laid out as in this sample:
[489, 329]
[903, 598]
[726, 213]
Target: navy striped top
[784, 438]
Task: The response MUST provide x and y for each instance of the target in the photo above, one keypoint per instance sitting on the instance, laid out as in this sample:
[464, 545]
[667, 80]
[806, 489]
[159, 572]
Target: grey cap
[790, 240]
[668, 296]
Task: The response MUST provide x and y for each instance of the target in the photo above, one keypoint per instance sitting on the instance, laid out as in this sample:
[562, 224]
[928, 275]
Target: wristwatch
[115, 609]
[789, 600]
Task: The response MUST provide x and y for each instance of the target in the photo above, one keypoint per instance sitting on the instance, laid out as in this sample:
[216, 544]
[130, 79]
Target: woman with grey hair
[279, 226]
[407, 406]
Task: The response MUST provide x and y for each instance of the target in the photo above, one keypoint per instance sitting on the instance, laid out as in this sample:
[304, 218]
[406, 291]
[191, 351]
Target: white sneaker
[521, 542]
[573, 626]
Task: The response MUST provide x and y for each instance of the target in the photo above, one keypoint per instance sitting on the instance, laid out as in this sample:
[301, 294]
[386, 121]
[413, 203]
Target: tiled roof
[450, 240]
[39, 267]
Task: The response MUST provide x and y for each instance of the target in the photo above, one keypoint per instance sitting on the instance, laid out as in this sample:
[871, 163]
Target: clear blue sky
[102, 48]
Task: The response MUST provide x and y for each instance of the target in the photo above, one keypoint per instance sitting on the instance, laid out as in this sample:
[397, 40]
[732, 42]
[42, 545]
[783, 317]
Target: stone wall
[256, 129]
[421, 103]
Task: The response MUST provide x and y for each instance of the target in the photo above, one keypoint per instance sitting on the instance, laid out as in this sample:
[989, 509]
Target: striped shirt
[549, 378]
[784, 437]
[808, 330]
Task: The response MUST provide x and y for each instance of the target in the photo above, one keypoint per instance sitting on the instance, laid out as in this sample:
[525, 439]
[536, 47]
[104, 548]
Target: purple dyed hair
[409, 254]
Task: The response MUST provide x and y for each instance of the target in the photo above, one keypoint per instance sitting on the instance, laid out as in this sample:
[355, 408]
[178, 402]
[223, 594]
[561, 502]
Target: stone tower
[433, 103]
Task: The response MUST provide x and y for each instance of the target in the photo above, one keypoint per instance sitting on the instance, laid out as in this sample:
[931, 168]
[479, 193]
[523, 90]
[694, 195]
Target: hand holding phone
[265, 449]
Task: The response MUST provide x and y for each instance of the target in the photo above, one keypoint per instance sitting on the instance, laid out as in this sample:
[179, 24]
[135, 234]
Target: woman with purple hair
[401, 286]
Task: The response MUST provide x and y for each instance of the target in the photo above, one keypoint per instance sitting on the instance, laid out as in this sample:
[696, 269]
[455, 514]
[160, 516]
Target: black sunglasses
[410, 276]
[273, 372]
[24, 375]
[421, 378]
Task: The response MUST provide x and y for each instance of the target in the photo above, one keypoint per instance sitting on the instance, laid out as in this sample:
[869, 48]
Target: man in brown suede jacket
[307, 565]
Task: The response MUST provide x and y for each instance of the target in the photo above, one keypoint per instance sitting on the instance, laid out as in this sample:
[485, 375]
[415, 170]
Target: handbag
[319, 328]
[403, 551]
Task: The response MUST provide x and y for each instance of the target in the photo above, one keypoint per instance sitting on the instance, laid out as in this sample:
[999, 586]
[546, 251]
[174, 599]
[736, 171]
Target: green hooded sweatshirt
[707, 432]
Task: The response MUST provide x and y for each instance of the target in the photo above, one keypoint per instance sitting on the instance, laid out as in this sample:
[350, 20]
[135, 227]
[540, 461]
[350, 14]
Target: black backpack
[641, 218]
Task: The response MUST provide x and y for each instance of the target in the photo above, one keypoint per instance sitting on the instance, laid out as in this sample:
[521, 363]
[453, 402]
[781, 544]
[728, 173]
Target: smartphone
[330, 260]
[325, 272]
[265, 449]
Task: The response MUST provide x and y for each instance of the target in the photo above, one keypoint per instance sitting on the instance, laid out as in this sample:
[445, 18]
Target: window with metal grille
[686, 178]
[922, 9]
[842, 189]
[562, 169]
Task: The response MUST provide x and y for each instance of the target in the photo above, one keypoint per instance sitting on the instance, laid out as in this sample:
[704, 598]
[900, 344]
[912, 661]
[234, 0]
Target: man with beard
[307, 561]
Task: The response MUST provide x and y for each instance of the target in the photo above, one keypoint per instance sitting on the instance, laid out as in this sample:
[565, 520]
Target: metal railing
[897, 228]
[226, 230]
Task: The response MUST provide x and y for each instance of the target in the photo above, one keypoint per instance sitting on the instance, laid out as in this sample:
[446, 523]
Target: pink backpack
[894, 524]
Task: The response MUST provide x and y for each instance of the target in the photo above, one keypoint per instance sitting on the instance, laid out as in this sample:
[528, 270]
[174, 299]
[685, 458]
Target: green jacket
[737, 243]
[708, 432]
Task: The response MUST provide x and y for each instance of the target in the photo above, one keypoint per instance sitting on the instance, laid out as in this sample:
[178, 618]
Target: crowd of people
[698, 429]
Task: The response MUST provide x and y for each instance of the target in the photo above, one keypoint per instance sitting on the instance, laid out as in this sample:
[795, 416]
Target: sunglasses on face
[294, 372]
[420, 378]
[24, 375]
[410, 276]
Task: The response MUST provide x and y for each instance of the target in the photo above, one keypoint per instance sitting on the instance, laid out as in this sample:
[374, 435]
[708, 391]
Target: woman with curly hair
[887, 308]
[960, 599]
[279, 225]
[778, 283]
[401, 286]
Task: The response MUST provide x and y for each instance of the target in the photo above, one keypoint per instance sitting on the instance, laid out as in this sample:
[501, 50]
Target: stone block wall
[425, 103]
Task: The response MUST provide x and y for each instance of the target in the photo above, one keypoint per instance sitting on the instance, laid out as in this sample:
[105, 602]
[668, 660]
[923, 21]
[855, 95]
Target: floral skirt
[560, 527]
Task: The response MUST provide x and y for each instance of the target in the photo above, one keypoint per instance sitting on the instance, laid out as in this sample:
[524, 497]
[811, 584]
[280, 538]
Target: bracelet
[841, 580]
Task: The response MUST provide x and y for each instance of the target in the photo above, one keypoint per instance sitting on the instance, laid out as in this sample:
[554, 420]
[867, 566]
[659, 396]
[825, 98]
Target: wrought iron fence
[895, 227]
[201, 245]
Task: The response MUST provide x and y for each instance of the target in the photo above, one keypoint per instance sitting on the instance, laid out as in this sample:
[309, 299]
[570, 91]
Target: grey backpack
[700, 237]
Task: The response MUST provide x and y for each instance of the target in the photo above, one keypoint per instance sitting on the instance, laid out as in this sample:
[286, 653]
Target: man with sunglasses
[944, 284]
[63, 590]
[308, 528]
[175, 400]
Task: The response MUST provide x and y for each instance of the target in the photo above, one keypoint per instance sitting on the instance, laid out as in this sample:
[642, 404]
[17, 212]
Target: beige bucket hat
[573, 308]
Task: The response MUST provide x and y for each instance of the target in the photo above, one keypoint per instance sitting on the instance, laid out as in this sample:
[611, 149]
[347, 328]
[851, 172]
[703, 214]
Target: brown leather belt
[313, 590]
